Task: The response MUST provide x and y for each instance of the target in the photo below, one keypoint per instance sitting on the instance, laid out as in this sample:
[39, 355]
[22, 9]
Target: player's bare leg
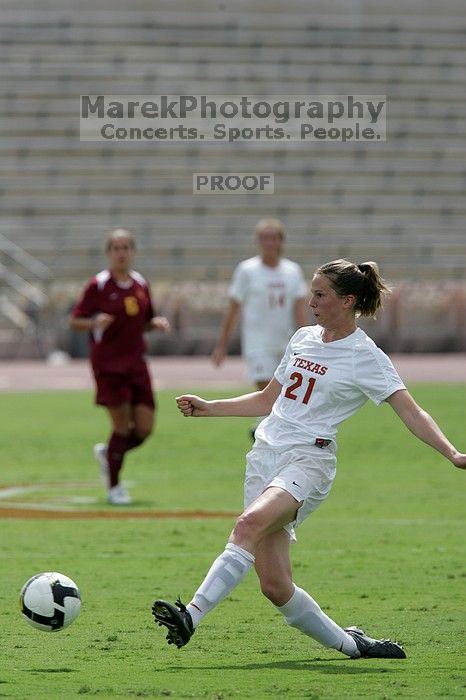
[270, 511]
[120, 417]
[273, 568]
[259, 539]
[143, 419]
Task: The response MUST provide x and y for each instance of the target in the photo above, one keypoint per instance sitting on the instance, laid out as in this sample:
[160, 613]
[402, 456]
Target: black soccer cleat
[375, 648]
[176, 619]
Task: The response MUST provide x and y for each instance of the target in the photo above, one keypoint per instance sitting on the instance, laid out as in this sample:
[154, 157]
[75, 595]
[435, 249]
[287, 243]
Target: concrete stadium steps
[365, 7]
[336, 222]
[76, 252]
[320, 201]
[395, 16]
[422, 129]
[263, 27]
[336, 186]
[399, 202]
[113, 57]
[422, 105]
[312, 84]
[37, 158]
[381, 229]
[49, 73]
[398, 154]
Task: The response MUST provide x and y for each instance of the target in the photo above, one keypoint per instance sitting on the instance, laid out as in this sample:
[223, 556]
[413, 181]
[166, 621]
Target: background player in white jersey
[268, 291]
[327, 373]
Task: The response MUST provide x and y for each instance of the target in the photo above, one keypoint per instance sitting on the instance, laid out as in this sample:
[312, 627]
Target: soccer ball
[50, 601]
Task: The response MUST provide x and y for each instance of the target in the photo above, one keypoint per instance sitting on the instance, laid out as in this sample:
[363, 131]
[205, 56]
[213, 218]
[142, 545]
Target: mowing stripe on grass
[22, 511]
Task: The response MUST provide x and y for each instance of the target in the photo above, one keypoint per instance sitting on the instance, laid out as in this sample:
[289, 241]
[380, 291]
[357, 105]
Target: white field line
[38, 506]
[15, 491]
[11, 491]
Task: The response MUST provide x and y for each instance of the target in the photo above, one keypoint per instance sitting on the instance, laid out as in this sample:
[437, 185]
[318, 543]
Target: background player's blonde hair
[119, 233]
[271, 223]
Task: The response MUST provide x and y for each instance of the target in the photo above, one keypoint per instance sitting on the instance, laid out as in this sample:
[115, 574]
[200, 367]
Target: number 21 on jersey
[297, 379]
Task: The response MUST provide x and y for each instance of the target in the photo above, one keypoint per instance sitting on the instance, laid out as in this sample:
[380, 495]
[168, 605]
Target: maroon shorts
[116, 388]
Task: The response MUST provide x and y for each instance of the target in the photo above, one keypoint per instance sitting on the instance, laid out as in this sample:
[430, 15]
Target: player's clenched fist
[459, 460]
[190, 405]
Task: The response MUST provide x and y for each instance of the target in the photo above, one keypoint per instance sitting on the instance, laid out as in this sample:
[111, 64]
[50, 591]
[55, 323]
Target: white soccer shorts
[261, 367]
[307, 473]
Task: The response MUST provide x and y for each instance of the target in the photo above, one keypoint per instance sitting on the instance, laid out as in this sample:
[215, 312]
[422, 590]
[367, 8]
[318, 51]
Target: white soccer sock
[302, 612]
[225, 573]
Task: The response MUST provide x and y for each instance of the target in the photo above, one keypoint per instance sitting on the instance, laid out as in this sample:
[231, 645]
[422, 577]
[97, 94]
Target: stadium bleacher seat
[387, 203]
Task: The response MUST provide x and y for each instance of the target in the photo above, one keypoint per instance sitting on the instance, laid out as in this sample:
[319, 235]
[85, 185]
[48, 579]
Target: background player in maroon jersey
[116, 309]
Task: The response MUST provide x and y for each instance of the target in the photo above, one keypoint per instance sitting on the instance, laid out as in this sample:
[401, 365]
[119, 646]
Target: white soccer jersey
[323, 385]
[267, 296]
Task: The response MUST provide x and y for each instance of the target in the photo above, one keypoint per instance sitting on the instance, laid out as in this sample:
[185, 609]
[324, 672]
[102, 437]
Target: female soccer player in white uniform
[327, 373]
[269, 291]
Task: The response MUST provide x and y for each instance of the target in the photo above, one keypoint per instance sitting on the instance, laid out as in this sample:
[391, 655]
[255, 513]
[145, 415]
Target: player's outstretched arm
[421, 424]
[258, 403]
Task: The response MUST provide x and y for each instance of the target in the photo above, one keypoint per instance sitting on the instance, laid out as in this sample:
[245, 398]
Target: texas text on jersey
[323, 384]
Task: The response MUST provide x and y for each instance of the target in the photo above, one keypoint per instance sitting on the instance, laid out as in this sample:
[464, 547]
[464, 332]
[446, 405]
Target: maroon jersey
[121, 346]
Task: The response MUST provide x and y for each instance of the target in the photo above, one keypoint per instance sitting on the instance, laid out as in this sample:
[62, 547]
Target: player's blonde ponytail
[363, 281]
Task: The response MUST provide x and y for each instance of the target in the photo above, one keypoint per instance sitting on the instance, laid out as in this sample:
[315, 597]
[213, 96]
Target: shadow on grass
[345, 666]
[50, 670]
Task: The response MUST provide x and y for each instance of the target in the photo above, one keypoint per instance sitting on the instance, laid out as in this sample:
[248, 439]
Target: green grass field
[386, 552]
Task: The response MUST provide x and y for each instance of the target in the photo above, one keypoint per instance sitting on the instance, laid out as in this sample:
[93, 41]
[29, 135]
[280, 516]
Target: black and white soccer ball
[50, 601]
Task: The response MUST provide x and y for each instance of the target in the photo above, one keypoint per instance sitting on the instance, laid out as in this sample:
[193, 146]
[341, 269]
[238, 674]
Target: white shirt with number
[267, 296]
[323, 384]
